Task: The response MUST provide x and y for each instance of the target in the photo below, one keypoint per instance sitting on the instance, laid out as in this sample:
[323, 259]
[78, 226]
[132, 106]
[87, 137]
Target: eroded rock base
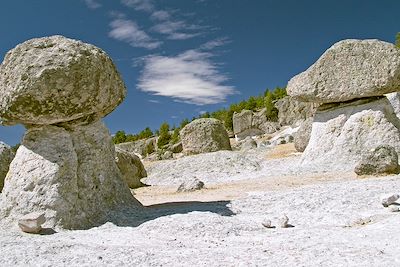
[70, 174]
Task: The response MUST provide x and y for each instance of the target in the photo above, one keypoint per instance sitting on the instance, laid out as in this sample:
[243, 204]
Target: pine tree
[164, 137]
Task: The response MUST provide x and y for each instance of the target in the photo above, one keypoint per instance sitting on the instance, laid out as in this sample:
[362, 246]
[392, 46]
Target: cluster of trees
[121, 136]
[167, 135]
[265, 100]
[397, 42]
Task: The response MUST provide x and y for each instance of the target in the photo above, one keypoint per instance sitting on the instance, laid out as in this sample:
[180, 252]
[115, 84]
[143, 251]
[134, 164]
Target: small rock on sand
[389, 199]
[32, 222]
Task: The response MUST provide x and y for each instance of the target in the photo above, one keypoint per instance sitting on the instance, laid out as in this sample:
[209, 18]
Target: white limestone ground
[340, 222]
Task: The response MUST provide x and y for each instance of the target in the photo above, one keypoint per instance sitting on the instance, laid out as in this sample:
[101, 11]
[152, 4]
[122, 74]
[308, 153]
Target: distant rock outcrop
[131, 168]
[142, 147]
[6, 156]
[59, 89]
[350, 80]
[293, 112]
[203, 136]
[249, 123]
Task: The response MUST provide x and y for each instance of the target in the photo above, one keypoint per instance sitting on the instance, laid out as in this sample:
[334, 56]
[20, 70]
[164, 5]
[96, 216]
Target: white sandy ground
[338, 221]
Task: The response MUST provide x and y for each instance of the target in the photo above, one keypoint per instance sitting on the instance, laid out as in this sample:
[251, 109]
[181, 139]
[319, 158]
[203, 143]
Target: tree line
[170, 135]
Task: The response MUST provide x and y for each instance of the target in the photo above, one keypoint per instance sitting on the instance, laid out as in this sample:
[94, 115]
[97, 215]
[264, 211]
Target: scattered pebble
[267, 224]
[284, 221]
[32, 222]
[389, 199]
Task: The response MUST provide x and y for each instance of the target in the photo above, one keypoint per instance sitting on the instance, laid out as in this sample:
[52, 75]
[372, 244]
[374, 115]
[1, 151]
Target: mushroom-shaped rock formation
[348, 70]
[350, 80]
[65, 167]
[203, 136]
[55, 79]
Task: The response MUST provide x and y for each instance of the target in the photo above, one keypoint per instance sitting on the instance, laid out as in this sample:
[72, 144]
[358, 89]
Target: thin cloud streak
[190, 77]
[128, 31]
[92, 4]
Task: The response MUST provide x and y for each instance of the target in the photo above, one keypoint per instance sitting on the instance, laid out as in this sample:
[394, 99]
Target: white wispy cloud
[126, 30]
[142, 5]
[176, 30]
[190, 77]
[154, 101]
[92, 4]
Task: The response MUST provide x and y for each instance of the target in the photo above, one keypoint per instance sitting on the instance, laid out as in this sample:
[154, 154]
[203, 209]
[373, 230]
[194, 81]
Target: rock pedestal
[65, 167]
[349, 81]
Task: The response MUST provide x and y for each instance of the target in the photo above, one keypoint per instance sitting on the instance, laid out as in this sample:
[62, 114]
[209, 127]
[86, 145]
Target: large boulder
[55, 79]
[293, 112]
[131, 168]
[203, 136]
[6, 156]
[350, 69]
[302, 136]
[342, 134]
[382, 160]
[70, 175]
[65, 167]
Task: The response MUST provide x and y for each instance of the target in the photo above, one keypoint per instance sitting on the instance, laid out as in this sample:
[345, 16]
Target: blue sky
[181, 57]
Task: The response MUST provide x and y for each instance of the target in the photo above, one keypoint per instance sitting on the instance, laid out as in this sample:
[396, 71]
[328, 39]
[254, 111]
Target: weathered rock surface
[293, 112]
[248, 143]
[203, 136]
[55, 79]
[6, 156]
[70, 175]
[190, 186]
[350, 69]
[32, 222]
[394, 99]
[131, 168]
[342, 135]
[382, 160]
[65, 167]
[141, 147]
[302, 136]
[248, 123]
[176, 148]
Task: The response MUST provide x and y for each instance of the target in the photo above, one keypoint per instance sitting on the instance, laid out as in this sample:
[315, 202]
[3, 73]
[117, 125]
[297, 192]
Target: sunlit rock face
[65, 167]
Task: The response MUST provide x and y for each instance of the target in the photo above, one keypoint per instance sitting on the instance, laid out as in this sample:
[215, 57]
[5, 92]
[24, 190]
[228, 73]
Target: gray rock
[131, 168]
[267, 224]
[302, 136]
[284, 221]
[167, 155]
[289, 138]
[32, 222]
[293, 112]
[55, 79]
[203, 136]
[176, 148]
[348, 70]
[382, 160]
[190, 186]
[389, 199]
[248, 124]
[142, 147]
[248, 143]
[341, 136]
[394, 99]
[6, 156]
[70, 175]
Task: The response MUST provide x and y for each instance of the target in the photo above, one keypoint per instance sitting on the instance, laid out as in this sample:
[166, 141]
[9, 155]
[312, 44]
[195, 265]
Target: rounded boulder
[204, 136]
[55, 79]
